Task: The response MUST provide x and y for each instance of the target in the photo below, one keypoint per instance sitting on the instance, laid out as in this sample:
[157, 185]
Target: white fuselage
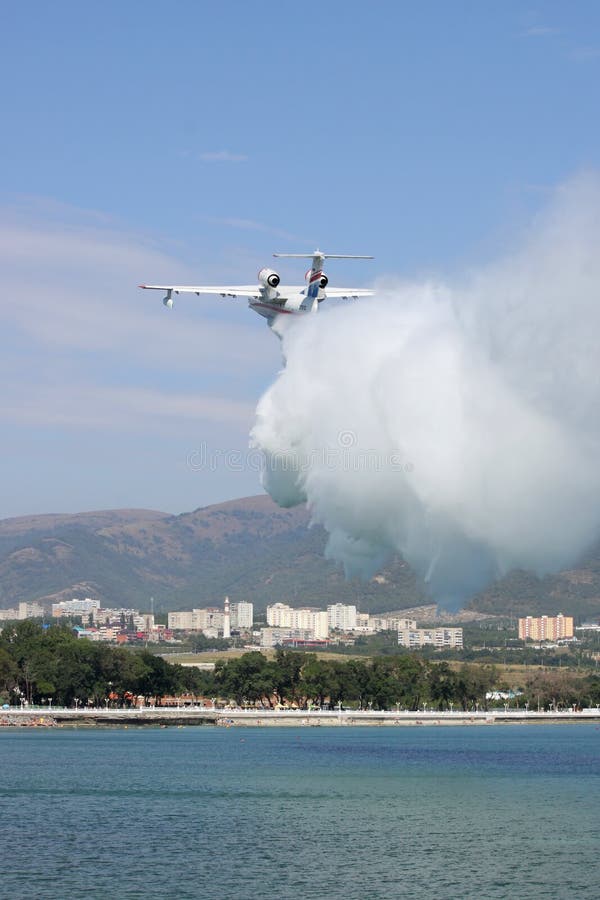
[269, 305]
[269, 298]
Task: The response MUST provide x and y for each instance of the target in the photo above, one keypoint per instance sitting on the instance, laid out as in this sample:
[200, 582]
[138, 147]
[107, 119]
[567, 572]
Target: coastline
[197, 716]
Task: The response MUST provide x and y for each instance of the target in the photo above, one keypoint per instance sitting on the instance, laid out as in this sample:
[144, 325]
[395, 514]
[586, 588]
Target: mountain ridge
[250, 549]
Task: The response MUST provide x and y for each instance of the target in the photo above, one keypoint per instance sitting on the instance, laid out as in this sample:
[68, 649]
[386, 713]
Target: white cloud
[244, 224]
[85, 405]
[584, 54]
[540, 31]
[222, 156]
[103, 390]
[253, 225]
[72, 310]
[455, 423]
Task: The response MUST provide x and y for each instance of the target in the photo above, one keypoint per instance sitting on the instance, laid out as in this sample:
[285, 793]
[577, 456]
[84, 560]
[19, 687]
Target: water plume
[454, 423]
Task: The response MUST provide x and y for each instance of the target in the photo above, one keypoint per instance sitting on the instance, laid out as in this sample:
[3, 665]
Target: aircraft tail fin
[316, 277]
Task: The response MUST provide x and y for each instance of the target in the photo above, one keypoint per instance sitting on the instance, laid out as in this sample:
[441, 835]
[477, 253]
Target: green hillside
[249, 549]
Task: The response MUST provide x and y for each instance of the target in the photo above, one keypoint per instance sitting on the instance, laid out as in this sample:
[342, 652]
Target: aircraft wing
[285, 290]
[222, 290]
[347, 293]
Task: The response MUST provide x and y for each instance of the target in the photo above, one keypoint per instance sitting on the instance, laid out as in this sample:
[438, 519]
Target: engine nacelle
[323, 281]
[168, 300]
[268, 278]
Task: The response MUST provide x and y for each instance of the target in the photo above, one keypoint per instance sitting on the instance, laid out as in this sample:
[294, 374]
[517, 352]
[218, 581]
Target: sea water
[206, 812]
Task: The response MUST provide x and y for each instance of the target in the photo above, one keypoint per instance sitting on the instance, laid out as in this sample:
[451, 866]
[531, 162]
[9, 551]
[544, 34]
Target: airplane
[269, 298]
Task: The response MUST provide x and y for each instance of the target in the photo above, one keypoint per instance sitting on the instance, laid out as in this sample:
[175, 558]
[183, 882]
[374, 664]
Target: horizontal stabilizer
[321, 255]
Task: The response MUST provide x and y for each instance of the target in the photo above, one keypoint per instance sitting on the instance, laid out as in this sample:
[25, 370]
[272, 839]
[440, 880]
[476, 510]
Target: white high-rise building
[186, 620]
[30, 610]
[9, 614]
[391, 623]
[105, 616]
[279, 615]
[341, 617]
[242, 616]
[362, 621]
[306, 618]
[320, 624]
[209, 619]
[74, 607]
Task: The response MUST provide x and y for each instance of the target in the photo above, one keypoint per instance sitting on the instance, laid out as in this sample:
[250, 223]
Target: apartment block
[9, 614]
[271, 637]
[305, 618]
[546, 628]
[74, 607]
[209, 619]
[440, 638]
[106, 616]
[30, 610]
[242, 616]
[362, 621]
[341, 617]
[391, 623]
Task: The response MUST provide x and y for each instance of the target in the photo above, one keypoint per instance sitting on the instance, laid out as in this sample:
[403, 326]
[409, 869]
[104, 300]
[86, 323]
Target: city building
[242, 616]
[145, 622]
[121, 616]
[440, 638]
[279, 615]
[106, 633]
[391, 622]
[362, 621]
[341, 617]
[187, 620]
[115, 633]
[30, 610]
[276, 636]
[209, 621]
[545, 628]
[74, 607]
[89, 633]
[7, 615]
[305, 618]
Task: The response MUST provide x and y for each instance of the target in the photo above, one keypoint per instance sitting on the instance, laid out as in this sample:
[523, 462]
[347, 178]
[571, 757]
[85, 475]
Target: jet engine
[323, 281]
[168, 300]
[268, 278]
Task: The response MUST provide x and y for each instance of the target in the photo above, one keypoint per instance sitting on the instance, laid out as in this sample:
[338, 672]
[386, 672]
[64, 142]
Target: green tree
[9, 675]
[246, 679]
[357, 681]
[287, 674]
[443, 685]
[319, 680]
[472, 684]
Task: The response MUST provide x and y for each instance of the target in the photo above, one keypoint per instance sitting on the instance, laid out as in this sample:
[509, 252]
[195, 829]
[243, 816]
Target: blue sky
[148, 141]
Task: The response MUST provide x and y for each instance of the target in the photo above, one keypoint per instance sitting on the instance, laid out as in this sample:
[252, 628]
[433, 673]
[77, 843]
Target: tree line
[40, 664]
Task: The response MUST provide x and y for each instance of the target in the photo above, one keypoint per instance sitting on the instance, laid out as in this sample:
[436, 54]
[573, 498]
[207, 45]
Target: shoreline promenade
[145, 716]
